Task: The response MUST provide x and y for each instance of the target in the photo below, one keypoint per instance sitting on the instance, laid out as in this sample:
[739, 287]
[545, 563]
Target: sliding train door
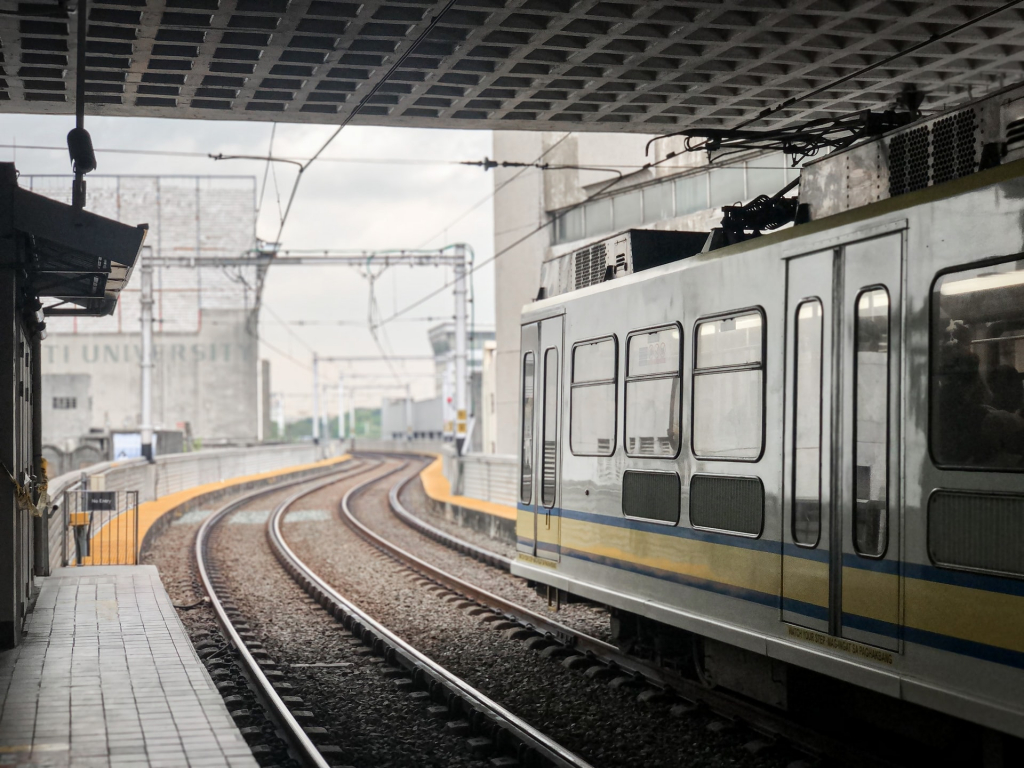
[841, 548]
[538, 526]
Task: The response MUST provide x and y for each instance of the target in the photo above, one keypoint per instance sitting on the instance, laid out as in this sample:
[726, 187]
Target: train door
[539, 522]
[841, 560]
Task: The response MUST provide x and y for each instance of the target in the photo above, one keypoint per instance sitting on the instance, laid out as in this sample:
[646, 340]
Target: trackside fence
[148, 481]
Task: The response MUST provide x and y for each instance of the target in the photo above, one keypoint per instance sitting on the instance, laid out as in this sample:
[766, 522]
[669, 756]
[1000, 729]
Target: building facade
[205, 324]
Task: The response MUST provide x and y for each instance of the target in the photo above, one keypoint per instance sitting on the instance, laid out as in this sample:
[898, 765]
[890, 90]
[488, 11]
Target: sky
[418, 199]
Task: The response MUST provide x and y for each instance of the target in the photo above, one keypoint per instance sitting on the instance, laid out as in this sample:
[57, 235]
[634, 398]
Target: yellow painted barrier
[437, 487]
[120, 552]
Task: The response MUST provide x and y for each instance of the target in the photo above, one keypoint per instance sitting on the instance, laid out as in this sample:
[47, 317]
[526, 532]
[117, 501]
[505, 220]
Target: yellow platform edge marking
[437, 487]
[114, 550]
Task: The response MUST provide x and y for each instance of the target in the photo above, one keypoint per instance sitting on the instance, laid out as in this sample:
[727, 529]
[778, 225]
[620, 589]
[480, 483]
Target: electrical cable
[539, 228]
[358, 107]
[492, 193]
[266, 171]
[284, 324]
[208, 156]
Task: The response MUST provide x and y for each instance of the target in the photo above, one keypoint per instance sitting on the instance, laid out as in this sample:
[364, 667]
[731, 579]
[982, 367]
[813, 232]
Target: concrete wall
[66, 406]
[518, 210]
[207, 378]
[488, 409]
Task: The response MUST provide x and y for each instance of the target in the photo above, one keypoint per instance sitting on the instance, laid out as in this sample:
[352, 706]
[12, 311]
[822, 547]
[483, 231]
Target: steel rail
[725, 704]
[305, 750]
[443, 537]
[428, 673]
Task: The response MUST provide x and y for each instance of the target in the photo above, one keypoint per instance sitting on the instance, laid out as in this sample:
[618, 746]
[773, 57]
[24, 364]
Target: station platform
[437, 488]
[106, 676]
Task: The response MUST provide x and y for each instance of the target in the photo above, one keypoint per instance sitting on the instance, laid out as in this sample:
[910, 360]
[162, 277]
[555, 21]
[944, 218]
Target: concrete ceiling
[503, 64]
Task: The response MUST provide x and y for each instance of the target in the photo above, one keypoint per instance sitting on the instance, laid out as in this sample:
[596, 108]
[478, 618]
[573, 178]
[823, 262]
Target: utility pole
[408, 413]
[316, 399]
[460, 348]
[341, 408]
[280, 417]
[146, 283]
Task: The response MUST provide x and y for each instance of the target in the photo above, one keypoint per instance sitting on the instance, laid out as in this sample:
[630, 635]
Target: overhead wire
[266, 171]
[358, 107]
[208, 156]
[493, 192]
[539, 228]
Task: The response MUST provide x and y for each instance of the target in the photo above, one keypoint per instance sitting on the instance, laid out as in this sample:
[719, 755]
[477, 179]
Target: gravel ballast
[608, 726]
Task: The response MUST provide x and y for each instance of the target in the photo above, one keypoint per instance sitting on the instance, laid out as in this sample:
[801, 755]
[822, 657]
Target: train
[801, 456]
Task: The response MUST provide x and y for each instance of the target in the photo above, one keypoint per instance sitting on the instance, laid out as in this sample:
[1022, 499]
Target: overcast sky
[406, 204]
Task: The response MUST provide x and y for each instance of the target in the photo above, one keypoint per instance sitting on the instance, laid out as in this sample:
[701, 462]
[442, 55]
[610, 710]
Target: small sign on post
[101, 501]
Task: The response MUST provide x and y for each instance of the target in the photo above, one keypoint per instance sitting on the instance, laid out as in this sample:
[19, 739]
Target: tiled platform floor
[107, 677]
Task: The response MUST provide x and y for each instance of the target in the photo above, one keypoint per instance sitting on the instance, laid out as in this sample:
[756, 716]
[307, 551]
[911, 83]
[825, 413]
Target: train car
[804, 451]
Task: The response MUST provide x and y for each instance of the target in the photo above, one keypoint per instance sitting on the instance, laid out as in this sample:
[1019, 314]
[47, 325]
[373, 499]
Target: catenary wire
[492, 193]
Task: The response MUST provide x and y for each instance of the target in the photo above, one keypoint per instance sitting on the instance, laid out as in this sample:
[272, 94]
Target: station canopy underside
[503, 64]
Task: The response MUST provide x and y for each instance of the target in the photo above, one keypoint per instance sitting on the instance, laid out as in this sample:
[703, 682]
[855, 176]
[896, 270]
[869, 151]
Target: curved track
[495, 728]
[509, 733]
[561, 640]
[300, 744]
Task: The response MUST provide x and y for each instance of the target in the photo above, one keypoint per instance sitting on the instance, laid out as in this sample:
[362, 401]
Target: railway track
[491, 729]
[602, 660]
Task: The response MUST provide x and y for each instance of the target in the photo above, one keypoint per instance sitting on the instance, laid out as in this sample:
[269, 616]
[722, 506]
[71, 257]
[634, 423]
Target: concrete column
[10, 615]
[10, 624]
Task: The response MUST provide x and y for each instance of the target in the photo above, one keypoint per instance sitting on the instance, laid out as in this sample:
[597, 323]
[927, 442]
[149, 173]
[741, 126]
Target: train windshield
[977, 361]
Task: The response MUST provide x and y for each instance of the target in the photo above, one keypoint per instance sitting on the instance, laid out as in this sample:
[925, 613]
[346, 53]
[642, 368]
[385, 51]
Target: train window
[653, 401]
[871, 423]
[526, 463]
[728, 388]
[549, 459]
[592, 398]
[977, 365]
[807, 400]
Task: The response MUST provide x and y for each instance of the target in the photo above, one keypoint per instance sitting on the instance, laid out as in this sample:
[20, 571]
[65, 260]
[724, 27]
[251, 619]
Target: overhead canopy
[538, 64]
[76, 258]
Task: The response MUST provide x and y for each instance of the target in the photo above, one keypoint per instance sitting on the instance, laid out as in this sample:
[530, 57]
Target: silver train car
[800, 452]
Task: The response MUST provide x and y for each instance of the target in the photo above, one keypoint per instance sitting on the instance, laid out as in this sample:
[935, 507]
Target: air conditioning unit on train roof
[956, 143]
[627, 252]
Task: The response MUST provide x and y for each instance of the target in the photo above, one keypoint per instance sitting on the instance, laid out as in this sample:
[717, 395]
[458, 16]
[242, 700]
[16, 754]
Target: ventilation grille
[589, 265]
[651, 495]
[945, 150]
[977, 532]
[1015, 134]
[730, 504]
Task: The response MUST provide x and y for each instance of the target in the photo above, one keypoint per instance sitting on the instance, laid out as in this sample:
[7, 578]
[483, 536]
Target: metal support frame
[146, 285]
[454, 256]
[460, 351]
[342, 433]
[316, 398]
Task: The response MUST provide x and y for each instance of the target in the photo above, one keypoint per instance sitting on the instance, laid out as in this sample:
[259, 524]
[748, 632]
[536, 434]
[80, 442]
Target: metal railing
[100, 528]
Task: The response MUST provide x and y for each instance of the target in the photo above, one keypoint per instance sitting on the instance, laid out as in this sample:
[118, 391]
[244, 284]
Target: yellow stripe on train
[805, 580]
[724, 564]
[990, 618]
